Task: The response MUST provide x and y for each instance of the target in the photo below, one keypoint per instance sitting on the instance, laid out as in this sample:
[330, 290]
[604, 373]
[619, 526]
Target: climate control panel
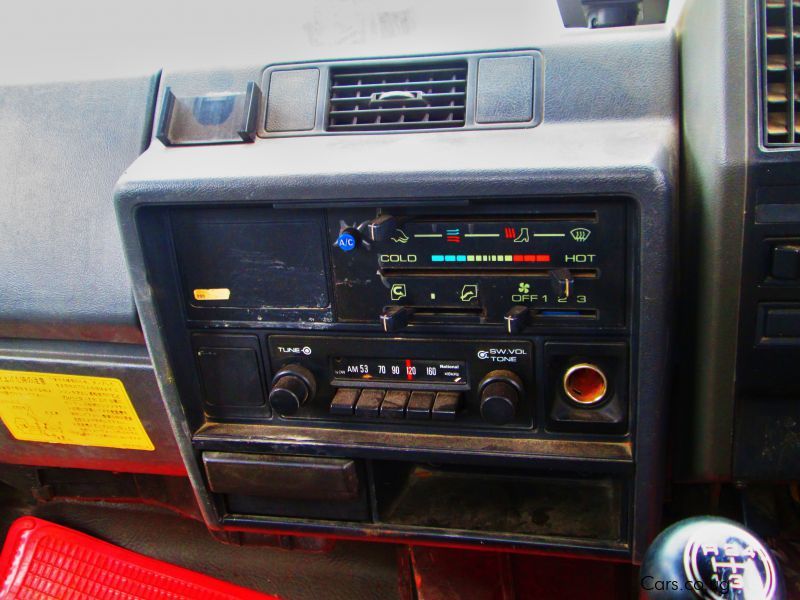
[512, 267]
[405, 267]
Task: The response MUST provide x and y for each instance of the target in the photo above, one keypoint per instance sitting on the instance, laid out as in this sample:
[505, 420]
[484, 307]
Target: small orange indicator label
[212, 294]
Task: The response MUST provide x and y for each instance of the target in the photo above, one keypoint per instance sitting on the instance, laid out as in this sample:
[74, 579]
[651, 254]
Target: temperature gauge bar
[524, 244]
[399, 370]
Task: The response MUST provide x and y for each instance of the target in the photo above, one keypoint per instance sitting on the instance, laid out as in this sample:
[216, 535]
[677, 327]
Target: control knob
[395, 317]
[292, 386]
[348, 240]
[517, 319]
[563, 282]
[379, 228]
[499, 393]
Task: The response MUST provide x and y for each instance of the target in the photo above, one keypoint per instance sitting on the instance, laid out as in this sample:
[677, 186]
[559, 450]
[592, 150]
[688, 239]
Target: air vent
[781, 94]
[398, 97]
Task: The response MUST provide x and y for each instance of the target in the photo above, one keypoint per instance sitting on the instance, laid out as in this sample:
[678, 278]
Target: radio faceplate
[418, 364]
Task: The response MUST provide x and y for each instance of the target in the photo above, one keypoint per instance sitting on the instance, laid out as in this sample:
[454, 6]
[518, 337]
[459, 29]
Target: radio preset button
[394, 404]
[369, 403]
[445, 406]
[420, 405]
[344, 402]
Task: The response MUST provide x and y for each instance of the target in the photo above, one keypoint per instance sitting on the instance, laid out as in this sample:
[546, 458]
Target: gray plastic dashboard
[609, 127]
[609, 124]
[72, 124]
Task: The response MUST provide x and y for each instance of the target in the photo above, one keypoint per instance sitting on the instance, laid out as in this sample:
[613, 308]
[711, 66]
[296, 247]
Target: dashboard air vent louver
[781, 94]
[422, 95]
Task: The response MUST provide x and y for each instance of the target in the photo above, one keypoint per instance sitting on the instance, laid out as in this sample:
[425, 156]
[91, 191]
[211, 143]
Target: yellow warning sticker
[70, 409]
[212, 294]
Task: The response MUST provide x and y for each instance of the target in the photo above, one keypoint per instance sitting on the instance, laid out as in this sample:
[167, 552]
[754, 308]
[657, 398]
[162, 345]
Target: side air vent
[781, 72]
[379, 97]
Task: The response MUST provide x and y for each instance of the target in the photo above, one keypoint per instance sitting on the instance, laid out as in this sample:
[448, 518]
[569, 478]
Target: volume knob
[292, 387]
[499, 392]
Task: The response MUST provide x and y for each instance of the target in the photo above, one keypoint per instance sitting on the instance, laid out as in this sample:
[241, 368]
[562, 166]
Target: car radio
[472, 382]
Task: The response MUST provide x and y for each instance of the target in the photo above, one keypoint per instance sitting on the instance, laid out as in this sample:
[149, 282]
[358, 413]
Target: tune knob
[292, 387]
[499, 392]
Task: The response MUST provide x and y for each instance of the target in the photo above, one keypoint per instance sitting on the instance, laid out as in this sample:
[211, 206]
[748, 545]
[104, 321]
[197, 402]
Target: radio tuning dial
[292, 387]
[499, 392]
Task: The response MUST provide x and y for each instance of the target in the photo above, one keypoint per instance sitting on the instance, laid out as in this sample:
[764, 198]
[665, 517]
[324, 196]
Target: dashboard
[398, 330]
[508, 286]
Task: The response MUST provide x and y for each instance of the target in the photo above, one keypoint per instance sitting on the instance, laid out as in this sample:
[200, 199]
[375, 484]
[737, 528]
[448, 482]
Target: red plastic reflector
[45, 560]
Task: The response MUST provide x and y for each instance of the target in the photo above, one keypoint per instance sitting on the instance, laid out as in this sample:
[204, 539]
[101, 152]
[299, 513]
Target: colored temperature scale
[458, 265]
[426, 244]
[490, 258]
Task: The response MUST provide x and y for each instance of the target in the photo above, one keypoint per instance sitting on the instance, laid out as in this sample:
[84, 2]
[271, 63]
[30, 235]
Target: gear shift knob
[709, 557]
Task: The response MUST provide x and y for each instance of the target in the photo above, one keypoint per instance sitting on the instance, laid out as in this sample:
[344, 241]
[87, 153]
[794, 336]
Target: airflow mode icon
[580, 234]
